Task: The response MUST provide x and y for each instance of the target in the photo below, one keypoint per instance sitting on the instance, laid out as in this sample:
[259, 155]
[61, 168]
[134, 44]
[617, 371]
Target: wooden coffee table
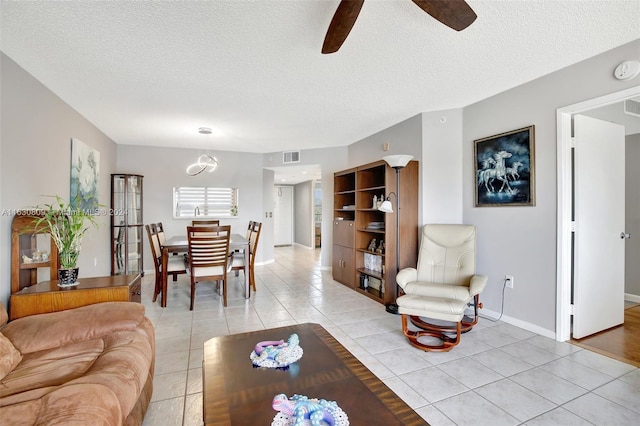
[236, 393]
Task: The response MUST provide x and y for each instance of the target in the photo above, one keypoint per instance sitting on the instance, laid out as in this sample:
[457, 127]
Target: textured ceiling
[152, 73]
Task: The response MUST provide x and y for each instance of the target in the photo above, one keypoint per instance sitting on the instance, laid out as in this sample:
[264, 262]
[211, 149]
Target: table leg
[165, 261]
[247, 285]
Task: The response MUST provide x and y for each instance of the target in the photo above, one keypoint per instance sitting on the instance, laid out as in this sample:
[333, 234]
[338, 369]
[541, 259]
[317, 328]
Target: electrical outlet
[95, 261]
[508, 279]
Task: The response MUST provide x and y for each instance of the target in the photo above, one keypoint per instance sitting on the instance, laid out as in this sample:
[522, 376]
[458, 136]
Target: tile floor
[498, 375]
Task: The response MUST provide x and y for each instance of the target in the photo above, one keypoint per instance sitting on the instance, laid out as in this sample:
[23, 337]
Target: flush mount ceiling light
[205, 162]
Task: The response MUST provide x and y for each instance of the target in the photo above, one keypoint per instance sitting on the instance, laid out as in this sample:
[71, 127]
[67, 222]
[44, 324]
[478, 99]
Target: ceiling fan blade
[341, 25]
[455, 14]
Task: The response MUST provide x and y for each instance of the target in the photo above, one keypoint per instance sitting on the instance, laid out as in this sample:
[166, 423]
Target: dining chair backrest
[256, 228]
[155, 246]
[208, 247]
[205, 223]
[160, 231]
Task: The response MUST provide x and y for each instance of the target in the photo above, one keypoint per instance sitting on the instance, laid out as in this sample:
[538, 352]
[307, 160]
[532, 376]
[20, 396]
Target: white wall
[521, 241]
[441, 167]
[403, 138]
[37, 127]
[164, 168]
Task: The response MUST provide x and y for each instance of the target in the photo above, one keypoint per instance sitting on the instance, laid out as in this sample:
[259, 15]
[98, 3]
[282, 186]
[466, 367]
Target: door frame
[564, 203]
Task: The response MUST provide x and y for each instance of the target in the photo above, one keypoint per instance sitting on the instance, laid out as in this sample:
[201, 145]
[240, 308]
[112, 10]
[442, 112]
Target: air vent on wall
[632, 107]
[291, 157]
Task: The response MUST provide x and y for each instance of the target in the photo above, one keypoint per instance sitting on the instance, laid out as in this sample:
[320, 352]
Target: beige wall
[35, 138]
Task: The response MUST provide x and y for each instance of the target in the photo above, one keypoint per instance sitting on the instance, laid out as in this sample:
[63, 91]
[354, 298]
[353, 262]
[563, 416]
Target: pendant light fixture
[205, 162]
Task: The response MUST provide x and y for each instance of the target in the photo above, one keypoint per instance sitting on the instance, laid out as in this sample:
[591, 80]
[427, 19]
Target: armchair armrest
[477, 284]
[406, 275]
[46, 331]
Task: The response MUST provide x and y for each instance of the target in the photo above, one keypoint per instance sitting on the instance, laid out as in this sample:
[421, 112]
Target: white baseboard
[326, 268]
[519, 323]
[303, 246]
[631, 298]
[265, 262]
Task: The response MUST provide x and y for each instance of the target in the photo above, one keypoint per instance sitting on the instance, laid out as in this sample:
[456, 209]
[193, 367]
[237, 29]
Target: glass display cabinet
[127, 225]
[34, 255]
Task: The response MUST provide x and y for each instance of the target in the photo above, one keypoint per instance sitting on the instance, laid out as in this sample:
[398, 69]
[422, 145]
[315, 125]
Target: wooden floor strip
[621, 342]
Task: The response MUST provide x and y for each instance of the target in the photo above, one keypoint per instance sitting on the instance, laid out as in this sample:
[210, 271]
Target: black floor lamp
[398, 162]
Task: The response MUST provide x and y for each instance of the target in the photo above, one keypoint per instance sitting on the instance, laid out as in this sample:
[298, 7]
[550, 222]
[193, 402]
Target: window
[191, 202]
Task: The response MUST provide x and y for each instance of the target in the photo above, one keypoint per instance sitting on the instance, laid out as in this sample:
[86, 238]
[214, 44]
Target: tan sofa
[87, 366]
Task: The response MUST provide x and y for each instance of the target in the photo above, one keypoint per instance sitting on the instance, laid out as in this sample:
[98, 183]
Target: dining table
[180, 244]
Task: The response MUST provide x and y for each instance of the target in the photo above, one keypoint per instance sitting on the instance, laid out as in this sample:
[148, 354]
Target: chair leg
[252, 279]
[157, 288]
[193, 293]
[223, 283]
[414, 335]
[468, 323]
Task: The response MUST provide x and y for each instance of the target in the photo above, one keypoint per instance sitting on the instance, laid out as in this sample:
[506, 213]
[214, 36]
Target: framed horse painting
[505, 172]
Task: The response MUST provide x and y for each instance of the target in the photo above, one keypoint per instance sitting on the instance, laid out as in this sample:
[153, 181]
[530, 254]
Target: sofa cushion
[52, 367]
[9, 356]
[48, 331]
[86, 404]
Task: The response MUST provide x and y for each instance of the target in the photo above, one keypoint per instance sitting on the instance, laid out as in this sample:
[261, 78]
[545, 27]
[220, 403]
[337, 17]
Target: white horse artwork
[498, 171]
[512, 171]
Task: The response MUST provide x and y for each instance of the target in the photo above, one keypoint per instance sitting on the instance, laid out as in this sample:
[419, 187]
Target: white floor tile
[471, 409]
[601, 411]
[559, 417]
[549, 386]
[516, 400]
[436, 384]
[621, 393]
[433, 384]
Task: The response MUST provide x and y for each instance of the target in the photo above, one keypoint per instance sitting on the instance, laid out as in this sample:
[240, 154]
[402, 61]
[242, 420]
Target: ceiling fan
[455, 14]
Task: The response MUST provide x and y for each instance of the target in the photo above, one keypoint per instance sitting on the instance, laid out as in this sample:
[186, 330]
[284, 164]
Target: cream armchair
[442, 286]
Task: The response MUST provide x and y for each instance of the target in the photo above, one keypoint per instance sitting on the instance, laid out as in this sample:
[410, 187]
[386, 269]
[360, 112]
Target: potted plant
[67, 225]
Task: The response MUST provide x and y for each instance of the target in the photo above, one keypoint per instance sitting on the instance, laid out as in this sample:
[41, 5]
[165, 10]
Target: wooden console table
[47, 297]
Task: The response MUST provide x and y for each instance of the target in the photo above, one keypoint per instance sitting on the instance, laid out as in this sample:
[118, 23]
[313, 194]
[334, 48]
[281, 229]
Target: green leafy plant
[67, 226]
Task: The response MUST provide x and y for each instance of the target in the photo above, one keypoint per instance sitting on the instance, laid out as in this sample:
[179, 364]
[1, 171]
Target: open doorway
[594, 107]
[301, 223]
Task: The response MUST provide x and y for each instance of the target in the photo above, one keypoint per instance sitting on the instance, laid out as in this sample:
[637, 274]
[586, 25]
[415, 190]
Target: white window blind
[191, 201]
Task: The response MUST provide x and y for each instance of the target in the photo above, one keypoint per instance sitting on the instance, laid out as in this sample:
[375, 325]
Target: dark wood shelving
[357, 186]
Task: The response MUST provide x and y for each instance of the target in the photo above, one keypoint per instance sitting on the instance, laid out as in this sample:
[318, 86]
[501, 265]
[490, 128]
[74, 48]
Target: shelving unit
[344, 204]
[25, 270]
[126, 224]
[354, 192]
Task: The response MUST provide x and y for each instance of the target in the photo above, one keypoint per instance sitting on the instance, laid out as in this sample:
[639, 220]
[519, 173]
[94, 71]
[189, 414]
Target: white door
[283, 216]
[599, 184]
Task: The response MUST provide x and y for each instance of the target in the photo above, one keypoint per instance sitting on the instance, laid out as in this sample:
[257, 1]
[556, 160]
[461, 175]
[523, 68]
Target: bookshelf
[364, 238]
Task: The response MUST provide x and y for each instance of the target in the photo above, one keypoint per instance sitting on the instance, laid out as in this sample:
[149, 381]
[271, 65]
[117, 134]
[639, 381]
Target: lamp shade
[397, 161]
[386, 206]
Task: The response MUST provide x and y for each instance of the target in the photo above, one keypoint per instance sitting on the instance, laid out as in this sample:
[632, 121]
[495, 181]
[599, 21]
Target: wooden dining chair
[209, 256]
[239, 259]
[175, 265]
